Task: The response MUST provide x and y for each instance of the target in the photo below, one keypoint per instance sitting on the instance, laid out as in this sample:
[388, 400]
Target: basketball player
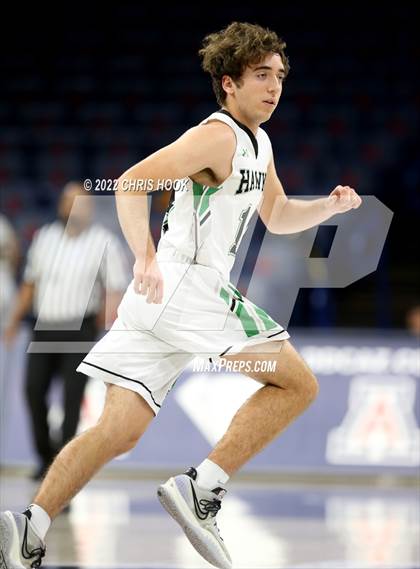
[181, 302]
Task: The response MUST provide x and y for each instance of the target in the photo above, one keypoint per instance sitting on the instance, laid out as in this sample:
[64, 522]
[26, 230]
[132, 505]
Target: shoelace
[211, 506]
[36, 554]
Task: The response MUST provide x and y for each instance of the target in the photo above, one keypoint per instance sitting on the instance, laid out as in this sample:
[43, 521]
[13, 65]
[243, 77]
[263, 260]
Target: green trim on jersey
[197, 193]
[201, 197]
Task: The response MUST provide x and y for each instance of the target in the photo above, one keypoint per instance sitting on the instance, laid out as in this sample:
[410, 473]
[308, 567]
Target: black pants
[41, 368]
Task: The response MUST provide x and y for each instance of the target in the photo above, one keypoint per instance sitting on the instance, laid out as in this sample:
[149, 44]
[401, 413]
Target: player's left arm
[283, 215]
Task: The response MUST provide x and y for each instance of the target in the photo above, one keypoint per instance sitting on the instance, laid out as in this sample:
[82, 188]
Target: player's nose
[274, 87]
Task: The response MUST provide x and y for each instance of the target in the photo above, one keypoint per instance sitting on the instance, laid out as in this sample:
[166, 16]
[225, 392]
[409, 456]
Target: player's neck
[242, 118]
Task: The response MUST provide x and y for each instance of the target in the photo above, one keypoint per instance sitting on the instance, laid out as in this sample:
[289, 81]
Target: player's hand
[342, 199]
[148, 280]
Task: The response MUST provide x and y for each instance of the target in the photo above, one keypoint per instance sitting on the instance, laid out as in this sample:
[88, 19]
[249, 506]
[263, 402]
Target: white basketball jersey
[205, 223]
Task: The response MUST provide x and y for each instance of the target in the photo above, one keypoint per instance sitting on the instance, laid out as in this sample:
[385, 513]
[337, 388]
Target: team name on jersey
[251, 180]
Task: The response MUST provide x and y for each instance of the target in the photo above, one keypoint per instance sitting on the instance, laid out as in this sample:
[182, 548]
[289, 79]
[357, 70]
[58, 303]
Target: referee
[70, 263]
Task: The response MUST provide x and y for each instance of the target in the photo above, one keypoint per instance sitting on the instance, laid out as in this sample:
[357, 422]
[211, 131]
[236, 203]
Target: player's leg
[287, 392]
[125, 418]
[131, 403]
[194, 498]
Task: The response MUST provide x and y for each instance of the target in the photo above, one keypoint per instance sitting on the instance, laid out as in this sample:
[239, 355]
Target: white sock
[210, 475]
[39, 519]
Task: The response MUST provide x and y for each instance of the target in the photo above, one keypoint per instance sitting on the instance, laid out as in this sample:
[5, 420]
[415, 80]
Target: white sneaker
[195, 510]
[20, 546]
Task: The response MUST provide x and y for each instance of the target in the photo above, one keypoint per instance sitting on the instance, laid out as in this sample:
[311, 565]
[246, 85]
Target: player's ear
[227, 84]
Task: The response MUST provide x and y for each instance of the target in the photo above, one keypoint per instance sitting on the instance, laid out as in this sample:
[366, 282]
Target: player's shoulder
[261, 133]
[221, 124]
[216, 129]
[264, 140]
[212, 138]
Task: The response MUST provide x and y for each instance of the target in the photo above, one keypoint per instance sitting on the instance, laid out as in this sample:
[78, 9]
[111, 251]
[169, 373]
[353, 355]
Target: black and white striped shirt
[70, 272]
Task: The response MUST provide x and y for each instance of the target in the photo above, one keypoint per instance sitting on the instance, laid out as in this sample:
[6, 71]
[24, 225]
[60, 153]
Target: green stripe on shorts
[248, 323]
[269, 323]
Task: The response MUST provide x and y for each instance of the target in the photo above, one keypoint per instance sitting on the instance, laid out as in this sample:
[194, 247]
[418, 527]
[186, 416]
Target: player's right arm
[209, 146]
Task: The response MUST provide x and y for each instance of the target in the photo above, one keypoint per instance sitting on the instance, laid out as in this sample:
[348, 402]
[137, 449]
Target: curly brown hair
[231, 50]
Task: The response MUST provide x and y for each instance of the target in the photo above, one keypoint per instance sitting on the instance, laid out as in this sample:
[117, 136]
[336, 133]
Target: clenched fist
[343, 198]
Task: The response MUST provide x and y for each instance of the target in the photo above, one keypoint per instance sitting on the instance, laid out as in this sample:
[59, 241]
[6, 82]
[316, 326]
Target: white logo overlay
[380, 427]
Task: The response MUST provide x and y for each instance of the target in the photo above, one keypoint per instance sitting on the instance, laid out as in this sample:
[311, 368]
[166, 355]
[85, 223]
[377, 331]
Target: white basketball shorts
[202, 314]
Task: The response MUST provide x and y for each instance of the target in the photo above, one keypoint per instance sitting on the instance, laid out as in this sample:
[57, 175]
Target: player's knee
[127, 442]
[300, 379]
[310, 387]
[303, 382]
[119, 438]
[125, 418]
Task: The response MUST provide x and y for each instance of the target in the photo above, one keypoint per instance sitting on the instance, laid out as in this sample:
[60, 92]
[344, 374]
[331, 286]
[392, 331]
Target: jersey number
[239, 232]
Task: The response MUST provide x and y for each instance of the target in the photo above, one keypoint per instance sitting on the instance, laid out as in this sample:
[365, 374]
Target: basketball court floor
[118, 523]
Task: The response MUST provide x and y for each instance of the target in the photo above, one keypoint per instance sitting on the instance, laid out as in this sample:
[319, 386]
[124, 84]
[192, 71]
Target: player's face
[261, 87]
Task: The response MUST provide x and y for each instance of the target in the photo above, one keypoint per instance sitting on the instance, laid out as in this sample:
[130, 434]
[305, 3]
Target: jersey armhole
[211, 119]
